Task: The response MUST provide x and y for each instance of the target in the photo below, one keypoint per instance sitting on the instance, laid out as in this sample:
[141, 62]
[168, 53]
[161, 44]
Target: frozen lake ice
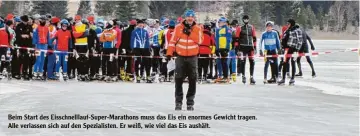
[326, 105]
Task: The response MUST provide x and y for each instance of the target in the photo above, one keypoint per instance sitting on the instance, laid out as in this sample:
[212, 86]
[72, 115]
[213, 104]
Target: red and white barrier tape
[255, 56]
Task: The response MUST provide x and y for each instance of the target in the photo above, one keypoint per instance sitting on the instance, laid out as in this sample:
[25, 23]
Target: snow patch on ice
[331, 89]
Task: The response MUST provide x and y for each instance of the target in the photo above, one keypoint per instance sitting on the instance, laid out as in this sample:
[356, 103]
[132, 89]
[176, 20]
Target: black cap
[9, 22]
[24, 18]
[140, 21]
[245, 17]
[292, 22]
[234, 22]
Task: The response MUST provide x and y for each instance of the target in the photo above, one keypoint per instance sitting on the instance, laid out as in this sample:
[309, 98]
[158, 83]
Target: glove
[261, 53]
[187, 31]
[123, 51]
[86, 33]
[312, 48]
[168, 57]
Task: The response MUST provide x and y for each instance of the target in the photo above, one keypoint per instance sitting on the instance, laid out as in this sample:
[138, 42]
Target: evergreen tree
[320, 19]
[7, 7]
[55, 8]
[106, 8]
[84, 8]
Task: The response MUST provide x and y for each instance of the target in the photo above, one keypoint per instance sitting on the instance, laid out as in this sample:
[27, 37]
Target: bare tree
[337, 12]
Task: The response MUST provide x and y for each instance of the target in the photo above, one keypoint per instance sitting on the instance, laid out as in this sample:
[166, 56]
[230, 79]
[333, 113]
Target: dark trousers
[126, 62]
[95, 63]
[71, 65]
[142, 63]
[3, 58]
[156, 60]
[82, 61]
[273, 62]
[25, 62]
[249, 54]
[185, 67]
[109, 61]
[203, 65]
[308, 59]
[287, 65]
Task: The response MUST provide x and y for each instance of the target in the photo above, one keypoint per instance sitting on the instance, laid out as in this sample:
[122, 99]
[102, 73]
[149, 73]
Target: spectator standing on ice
[185, 43]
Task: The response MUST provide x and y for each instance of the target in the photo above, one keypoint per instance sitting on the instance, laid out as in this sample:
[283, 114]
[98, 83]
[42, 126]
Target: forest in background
[327, 16]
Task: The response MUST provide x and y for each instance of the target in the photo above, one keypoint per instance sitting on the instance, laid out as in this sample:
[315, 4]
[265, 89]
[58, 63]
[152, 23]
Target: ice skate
[271, 81]
[265, 81]
[178, 107]
[26, 77]
[233, 77]
[138, 79]
[281, 82]
[114, 79]
[190, 107]
[313, 75]
[288, 75]
[65, 76]
[244, 80]
[108, 79]
[291, 82]
[162, 78]
[280, 76]
[299, 75]
[122, 74]
[252, 81]
[1, 76]
[149, 80]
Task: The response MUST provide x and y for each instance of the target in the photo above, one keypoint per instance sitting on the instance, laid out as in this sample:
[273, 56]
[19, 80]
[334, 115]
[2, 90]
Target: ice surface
[303, 109]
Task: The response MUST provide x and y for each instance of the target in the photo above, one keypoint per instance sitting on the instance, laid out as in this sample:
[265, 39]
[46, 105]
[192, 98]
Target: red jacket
[4, 40]
[209, 40]
[283, 29]
[63, 40]
[118, 37]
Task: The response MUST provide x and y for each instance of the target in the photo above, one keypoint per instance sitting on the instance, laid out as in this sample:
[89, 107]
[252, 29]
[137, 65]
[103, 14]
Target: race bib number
[66, 58]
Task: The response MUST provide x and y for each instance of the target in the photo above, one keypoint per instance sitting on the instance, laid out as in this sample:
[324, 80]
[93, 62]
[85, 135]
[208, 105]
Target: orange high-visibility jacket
[183, 44]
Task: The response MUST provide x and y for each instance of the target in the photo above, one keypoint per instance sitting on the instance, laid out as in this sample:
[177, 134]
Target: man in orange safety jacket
[185, 43]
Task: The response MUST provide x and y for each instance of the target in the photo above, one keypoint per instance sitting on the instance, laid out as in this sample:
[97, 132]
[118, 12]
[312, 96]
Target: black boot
[190, 108]
[313, 74]
[178, 107]
[291, 82]
[299, 74]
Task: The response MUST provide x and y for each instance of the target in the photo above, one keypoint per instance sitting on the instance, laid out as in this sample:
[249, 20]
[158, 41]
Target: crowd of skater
[45, 47]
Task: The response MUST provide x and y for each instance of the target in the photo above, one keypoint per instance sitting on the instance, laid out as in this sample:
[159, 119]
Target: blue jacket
[139, 39]
[155, 38]
[36, 39]
[271, 40]
[223, 37]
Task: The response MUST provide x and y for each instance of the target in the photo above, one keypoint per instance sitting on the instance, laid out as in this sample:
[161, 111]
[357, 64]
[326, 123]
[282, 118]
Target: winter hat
[292, 22]
[132, 22]
[269, 23]
[17, 19]
[48, 16]
[91, 19]
[245, 17]
[36, 16]
[9, 16]
[69, 19]
[140, 21]
[179, 19]
[2, 23]
[64, 22]
[55, 20]
[42, 18]
[110, 24]
[190, 13]
[172, 23]
[234, 22]
[77, 17]
[9, 22]
[24, 18]
[222, 19]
